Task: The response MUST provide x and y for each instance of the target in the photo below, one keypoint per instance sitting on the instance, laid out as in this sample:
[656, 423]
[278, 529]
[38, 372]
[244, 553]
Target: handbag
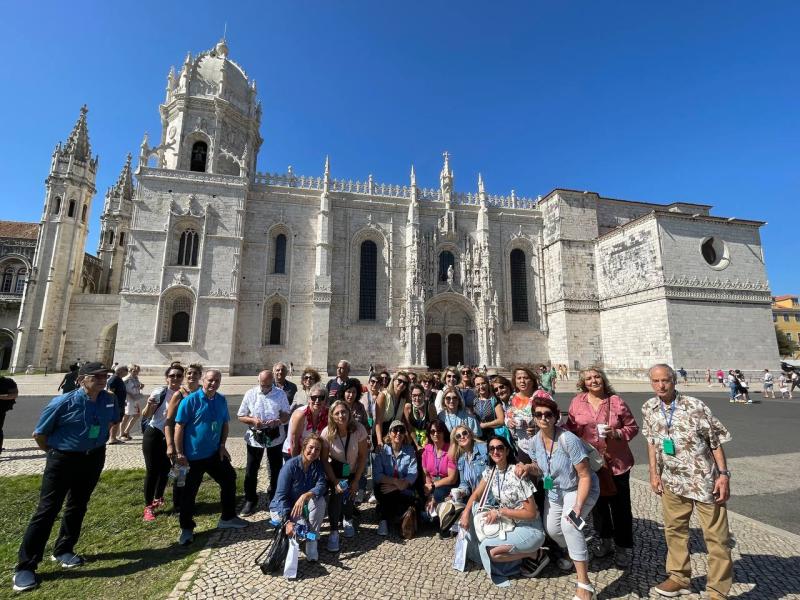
[408, 525]
[273, 558]
[604, 475]
[500, 527]
[596, 460]
[292, 558]
[460, 554]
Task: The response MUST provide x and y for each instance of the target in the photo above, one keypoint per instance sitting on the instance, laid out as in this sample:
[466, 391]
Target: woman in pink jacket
[601, 418]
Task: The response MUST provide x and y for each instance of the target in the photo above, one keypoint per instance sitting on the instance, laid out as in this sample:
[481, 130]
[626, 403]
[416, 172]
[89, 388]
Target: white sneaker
[333, 542]
[312, 553]
[349, 530]
[564, 564]
[383, 528]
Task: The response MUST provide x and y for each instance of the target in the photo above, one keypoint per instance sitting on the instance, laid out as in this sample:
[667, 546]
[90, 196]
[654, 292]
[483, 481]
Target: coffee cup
[602, 430]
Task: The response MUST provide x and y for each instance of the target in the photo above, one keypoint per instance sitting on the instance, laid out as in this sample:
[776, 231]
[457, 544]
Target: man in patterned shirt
[689, 471]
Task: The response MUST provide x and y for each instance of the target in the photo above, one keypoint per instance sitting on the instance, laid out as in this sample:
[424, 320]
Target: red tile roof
[19, 230]
[784, 297]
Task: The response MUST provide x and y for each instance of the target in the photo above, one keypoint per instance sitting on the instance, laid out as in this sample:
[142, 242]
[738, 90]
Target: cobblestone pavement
[767, 560]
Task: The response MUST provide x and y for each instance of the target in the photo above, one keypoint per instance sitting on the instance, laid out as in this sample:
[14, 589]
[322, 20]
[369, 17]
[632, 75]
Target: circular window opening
[715, 253]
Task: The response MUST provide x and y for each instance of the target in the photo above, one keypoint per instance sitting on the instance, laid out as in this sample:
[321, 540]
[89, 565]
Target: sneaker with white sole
[68, 560]
[186, 537]
[333, 542]
[349, 530]
[24, 581]
[383, 528]
[232, 523]
[671, 588]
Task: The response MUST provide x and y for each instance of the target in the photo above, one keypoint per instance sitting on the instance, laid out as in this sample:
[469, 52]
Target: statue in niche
[450, 275]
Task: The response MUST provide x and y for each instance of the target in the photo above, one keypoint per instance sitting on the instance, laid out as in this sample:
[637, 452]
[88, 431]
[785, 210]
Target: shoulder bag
[500, 527]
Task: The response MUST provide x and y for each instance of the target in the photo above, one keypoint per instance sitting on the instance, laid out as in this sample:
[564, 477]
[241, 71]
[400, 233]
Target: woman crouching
[505, 501]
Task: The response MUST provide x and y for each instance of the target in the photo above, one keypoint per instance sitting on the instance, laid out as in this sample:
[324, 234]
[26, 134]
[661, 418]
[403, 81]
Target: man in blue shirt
[73, 430]
[201, 430]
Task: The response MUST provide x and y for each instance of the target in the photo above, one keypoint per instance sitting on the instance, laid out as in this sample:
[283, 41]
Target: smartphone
[576, 520]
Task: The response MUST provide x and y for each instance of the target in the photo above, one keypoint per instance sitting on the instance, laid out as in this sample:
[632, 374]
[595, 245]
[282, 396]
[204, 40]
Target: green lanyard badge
[94, 431]
[547, 482]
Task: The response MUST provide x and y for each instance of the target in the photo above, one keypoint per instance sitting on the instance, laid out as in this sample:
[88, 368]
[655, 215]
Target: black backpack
[161, 397]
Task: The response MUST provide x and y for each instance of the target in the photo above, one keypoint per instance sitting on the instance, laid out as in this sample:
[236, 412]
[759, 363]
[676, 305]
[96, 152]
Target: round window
[715, 253]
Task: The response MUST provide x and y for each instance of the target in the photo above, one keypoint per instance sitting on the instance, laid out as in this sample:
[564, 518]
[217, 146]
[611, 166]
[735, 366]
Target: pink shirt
[582, 421]
[436, 467]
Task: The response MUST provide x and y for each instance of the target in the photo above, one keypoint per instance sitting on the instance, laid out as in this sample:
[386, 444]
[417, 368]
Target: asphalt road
[764, 452]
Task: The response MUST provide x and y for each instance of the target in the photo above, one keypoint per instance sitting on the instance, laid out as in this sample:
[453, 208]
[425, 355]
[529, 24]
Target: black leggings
[612, 514]
[157, 464]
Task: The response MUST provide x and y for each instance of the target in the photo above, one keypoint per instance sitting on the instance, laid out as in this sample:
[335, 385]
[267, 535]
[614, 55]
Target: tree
[786, 346]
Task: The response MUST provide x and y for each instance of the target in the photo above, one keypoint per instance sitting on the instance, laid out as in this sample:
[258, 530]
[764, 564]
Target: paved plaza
[767, 559]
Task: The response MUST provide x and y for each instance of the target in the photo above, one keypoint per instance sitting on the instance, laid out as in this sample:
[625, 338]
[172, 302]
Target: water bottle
[181, 479]
[301, 530]
[344, 485]
[274, 519]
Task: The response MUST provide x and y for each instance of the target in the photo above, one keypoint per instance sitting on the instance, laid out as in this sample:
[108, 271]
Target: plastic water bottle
[274, 519]
[301, 530]
[344, 485]
[180, 481]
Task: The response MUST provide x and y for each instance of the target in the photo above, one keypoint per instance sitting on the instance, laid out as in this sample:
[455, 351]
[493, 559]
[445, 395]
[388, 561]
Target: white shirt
[265, 407]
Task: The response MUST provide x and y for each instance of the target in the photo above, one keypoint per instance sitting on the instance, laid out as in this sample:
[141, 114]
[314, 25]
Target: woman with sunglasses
[571, 487]
[305, 421]
[384, 378]
[487, 409]
[394, 472]
[344, 456]
[307, 379]
[389, 406]
[439, 472]
[350, 392]
[194, 374]
[449, 378]
[154, 443]
[300, 492]
[601, 418]
[419, 414]
[370, 398]
[471, 457]
[510, 496]
[454, 413]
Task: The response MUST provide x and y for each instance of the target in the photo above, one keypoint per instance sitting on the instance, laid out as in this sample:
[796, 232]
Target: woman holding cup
[601, 418]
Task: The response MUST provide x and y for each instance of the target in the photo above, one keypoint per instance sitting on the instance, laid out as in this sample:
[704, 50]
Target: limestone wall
[91, 328]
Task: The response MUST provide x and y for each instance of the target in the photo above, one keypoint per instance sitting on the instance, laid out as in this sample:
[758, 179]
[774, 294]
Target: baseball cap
[94, 368]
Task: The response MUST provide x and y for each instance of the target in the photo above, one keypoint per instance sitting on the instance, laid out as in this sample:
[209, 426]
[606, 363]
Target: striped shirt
[568, 452]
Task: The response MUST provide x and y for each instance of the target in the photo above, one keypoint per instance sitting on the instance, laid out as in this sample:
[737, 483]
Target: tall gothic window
[187, 248]
[275, 325]
[179, 323]
[57, 205]
[8, 278]
[519, 287]
[110, 239]
[83, 213]
[368, 288]
[71, 210]
[19, 286]
[280, 254]
[446, 260]
[199, 154]
[121, 238]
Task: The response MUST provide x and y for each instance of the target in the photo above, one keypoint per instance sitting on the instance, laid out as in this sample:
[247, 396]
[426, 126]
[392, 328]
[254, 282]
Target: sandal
[583, 586]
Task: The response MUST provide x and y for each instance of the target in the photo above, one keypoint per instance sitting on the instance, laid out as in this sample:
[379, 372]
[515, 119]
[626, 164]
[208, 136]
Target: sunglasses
[385, 377]
[308, 377]
[399, 430]
[373, 381]
[451, 397]
[466, 372]
[494, 449]
[417, 396]
[403, 381]
[316, 398]
[543, 415]
[175, 375]
[462, 435]
[436, 431]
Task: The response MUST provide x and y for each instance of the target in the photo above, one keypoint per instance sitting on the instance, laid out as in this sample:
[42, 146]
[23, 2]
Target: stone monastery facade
[203, 259]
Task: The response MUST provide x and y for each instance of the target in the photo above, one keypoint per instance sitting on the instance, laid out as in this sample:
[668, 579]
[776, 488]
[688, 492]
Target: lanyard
[437, 461]
[394, 464]
[549, 455]
[500, 485]
[671, 412]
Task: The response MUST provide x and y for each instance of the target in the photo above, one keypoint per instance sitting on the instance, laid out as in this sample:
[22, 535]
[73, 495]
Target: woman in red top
[601, 418]
[519, 412]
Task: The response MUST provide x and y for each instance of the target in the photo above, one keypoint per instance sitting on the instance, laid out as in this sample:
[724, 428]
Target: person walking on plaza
[8, 396]
[265, 410]
[68, 383]
[688, 470]
[783, 382]
[601, 418]
[708, 378]
[133, 411]
[201, 430]
[768, 384]
[72, 430]
[721, 378]
[116, 385]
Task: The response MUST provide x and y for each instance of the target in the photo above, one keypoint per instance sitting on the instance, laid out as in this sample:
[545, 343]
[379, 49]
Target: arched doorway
[106, 344]
[6, 349]
[450, 336]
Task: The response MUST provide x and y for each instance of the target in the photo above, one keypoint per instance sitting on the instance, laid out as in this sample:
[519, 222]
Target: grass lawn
[125, 557]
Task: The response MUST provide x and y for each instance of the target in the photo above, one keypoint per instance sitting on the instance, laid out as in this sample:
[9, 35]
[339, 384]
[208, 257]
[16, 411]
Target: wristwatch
[726, 472]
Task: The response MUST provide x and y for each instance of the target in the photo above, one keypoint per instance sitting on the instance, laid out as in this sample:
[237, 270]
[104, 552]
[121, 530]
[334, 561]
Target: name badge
[370, 422]
[547, 482]
[669, 446]
[346, 470]
[94, 431]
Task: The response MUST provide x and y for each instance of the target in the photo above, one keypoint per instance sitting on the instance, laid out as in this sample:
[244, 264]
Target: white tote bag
[460, 556]
[292, 556]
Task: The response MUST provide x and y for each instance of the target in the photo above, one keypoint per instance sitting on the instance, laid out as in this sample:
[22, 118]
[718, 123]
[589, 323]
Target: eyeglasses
[399, 430]
[316, 398]
[451, 398]
[462, 435]
[436, 431]
[466, 372]
[308, 377]
[417, 396]
[543, 415]
[175, 375]
[403, 381]
[450, 376]
[500, 448]
[385, 377]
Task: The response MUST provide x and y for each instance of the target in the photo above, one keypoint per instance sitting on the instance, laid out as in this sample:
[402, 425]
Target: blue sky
[664, 102]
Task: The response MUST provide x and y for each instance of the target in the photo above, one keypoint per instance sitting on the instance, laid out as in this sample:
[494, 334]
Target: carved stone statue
[450, 276]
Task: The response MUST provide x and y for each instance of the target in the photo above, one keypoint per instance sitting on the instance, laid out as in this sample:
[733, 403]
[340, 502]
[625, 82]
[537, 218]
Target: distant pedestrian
[682, 372]
[69, 382]
[721, 377]
[769, 382]
[291, 369]
[743, 387]
[133, 410]
[72, 430]
[783, 381]
[8, 396]
[708, 377]
[116, 385]
[795, 381]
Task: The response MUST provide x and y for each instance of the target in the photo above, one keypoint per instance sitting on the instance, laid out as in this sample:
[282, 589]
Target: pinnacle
[78, 141]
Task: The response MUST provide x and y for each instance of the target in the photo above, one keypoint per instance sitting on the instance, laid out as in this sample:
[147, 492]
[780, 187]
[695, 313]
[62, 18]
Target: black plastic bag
[271, 560]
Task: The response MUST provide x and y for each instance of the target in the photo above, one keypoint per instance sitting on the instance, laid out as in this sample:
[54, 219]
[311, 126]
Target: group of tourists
[492, 460]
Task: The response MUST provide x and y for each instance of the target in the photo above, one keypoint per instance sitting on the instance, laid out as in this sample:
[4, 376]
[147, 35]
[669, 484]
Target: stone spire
[124, 185]
[413, 207]
[446, 181]
[78, 141]
[483, 212]
[326, 178]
